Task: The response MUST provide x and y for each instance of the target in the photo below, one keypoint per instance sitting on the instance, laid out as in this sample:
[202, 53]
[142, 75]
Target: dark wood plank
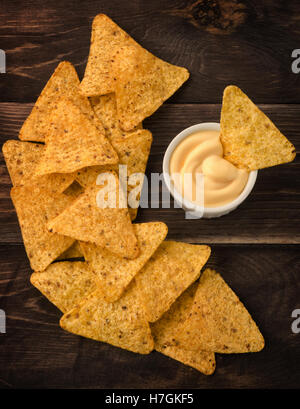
[248, 43]
[35, 352]
[269, 215]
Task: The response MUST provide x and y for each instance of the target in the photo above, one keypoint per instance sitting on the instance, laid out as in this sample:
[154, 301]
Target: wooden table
[256, 248]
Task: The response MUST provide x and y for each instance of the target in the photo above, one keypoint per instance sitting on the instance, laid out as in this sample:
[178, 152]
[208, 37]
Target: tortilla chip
[133, 150]
[72, 252]
[143, 83]
[172, 268]
[64, 82]
[218, 321]
[35, 206]
[115, 273]
[65, 283]
[105, 107]
[250, 139]
[165, 328]
[73, 142]
[106, 39]
[108, 227]
[122, 323]
[21, 159]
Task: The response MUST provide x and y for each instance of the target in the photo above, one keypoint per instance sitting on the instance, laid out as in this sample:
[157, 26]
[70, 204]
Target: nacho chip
[133, 151]
[72, 252]
[218, 321]
[115, 273]
[73, 142]
[108, 227]
[172, 268]
[143, 83]
[65, 283]
[122, 323]
[106, 38]
[21, 160]
[165, 328]
[35, 206]
[250, 139]
[105, 107]
[63, 82]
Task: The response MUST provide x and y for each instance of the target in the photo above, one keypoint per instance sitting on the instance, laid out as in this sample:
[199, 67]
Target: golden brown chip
[35, 206]
[218, 321]
[105, 107]
[172, 268]
[65, 283]
[115, 273]
[21, 160]
[250, 139]
[106, 38]
[143, 83]
[133, 151]
[72, 252]
[165, 328]
[63, 82]
[109, 227]
[122, 323]
[73, 142]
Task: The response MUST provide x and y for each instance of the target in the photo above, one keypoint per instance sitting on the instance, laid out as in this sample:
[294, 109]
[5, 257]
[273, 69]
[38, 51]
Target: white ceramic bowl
[198, 211]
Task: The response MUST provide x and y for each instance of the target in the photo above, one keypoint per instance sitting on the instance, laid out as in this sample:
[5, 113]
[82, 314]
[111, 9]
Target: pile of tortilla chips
[127, 286]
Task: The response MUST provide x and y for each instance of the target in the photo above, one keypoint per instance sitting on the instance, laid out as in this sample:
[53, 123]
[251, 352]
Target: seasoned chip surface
[106, 38]
[172, 268]
[110, 228]
[218, 320]
[35, 206]
[21, 159]
[65, 283]
[63, 82]
[73, 142]
[143, 83]
[105, 107]
[115, 273]
[122, 323]
[250, 139]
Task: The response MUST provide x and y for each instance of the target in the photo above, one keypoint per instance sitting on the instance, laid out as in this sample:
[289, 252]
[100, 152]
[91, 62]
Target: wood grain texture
[269, 215]
[219, 41]
[35, 352]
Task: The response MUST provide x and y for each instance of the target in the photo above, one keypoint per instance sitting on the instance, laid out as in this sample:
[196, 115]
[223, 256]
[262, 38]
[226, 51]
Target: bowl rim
[207, 211]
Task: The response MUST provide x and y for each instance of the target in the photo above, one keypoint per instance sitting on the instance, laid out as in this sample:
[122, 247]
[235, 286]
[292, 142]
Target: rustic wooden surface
[248, 43]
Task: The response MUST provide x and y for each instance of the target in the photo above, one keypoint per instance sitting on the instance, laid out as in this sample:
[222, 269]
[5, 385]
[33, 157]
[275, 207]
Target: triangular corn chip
[65, 283]
[122, 323]
[133, 151]
[106, 38]
[172, 268]
[73, 142]
[105, 107]
[218, 321]
[72, 252]
[63, 82]
[21, 160]
[114, 273]
[35, 206]
[143, 83]
[165, 328]
[250, 139]
[108, 227]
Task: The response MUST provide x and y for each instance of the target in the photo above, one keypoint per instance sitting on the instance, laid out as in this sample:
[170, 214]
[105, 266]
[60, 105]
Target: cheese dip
[202, 153]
